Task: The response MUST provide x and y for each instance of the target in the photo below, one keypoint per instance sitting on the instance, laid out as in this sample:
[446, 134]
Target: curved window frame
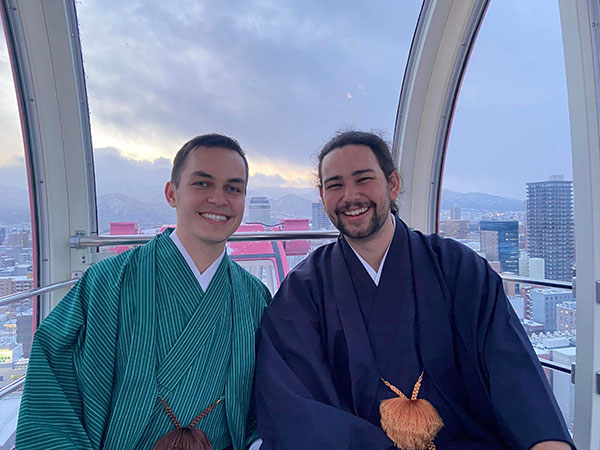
[50, 84]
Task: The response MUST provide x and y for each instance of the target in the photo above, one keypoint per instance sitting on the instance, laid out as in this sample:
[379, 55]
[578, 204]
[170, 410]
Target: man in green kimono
[169, 322]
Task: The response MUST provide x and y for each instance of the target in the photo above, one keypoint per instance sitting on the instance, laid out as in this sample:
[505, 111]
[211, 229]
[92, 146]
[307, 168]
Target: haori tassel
[185, 438]
[411, 423]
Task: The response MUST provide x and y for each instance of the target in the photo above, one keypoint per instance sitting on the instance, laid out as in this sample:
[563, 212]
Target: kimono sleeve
[66, 391]
[297, 403]
[523, 404]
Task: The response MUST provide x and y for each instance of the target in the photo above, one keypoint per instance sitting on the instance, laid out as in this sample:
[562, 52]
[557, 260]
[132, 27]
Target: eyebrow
[355, 173]
[201, 173]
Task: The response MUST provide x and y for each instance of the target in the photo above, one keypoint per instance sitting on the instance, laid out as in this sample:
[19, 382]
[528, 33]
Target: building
[10, 352]
[5, 286]
[544, 302]
[537, 267]
[531, 267]
[532, 327]
[320, 220]
[500, 242]
[19, 239]
[14, 284]
[259, 211]
[25, 331]
[457, 229]
[566, 316]
[455, 212]
[563, 389]
[550, 226]
[518, 304]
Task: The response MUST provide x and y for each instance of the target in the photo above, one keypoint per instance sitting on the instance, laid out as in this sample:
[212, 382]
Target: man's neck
[203, 254]
[373, 248]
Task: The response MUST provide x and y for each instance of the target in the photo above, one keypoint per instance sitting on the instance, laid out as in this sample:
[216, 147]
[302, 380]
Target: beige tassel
[410, 423]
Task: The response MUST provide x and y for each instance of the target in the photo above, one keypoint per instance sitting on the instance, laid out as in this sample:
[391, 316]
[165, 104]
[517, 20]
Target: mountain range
[285, 203]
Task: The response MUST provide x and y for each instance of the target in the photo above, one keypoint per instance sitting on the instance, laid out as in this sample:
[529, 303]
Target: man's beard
[377, 221]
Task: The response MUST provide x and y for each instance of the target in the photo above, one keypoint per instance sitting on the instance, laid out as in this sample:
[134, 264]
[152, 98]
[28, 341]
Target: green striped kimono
[136, 327]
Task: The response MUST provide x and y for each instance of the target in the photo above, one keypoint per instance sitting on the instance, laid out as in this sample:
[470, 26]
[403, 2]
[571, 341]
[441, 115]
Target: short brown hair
[212, 140]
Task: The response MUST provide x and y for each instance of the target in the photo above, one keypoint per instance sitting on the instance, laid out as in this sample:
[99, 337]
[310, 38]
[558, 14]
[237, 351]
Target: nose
[351, 193]
[217, 197]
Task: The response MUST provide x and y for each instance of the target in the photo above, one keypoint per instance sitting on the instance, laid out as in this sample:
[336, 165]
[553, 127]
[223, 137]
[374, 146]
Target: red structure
[296, 248]
[123, 228]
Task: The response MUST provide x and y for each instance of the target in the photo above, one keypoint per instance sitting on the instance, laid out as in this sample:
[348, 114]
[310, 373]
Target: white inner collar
[375, 274]
[203, 278]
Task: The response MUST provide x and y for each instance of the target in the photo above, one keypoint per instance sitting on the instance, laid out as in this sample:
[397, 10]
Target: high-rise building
[550, 226]
[320, 220]
[500, 242]
[259, 211]
[455, 212]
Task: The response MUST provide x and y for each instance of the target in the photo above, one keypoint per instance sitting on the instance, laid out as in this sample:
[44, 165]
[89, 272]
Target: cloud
[143, 180]
[261, 180]
[11, 141]
[273, 74]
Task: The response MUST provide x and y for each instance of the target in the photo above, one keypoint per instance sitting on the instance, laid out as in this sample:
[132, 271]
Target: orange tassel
[410, 423]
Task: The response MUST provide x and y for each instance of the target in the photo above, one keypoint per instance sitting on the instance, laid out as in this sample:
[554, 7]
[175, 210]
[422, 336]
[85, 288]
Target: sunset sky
[282, 76]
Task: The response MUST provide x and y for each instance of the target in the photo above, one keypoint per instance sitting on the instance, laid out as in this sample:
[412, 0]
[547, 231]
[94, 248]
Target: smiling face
[209, 199]
[355, 193]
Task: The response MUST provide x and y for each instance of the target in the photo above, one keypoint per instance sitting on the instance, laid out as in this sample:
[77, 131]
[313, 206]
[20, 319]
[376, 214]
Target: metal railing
[15, 385]
[556, 366]
[11, 298]
[240, 236]
[538, 281]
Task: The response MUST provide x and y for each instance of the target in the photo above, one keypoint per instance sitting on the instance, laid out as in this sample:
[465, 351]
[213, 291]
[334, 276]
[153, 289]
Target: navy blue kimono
[331, 334]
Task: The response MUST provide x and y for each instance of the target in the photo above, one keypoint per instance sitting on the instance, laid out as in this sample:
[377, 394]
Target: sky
[283, 76]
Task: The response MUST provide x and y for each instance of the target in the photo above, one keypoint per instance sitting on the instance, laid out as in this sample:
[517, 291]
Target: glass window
[264, 270]
[16, 255]
[281, 77]
[507, 189]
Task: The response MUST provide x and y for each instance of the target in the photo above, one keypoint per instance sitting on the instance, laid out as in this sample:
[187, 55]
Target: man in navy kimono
[385, 302]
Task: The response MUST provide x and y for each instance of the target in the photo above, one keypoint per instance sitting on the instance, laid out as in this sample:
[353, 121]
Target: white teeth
[216, 217]
[356, 212]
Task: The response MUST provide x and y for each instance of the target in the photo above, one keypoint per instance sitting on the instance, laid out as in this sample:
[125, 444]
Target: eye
[333, 186]
[200, 183]
[234, 189]
[364, 179]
